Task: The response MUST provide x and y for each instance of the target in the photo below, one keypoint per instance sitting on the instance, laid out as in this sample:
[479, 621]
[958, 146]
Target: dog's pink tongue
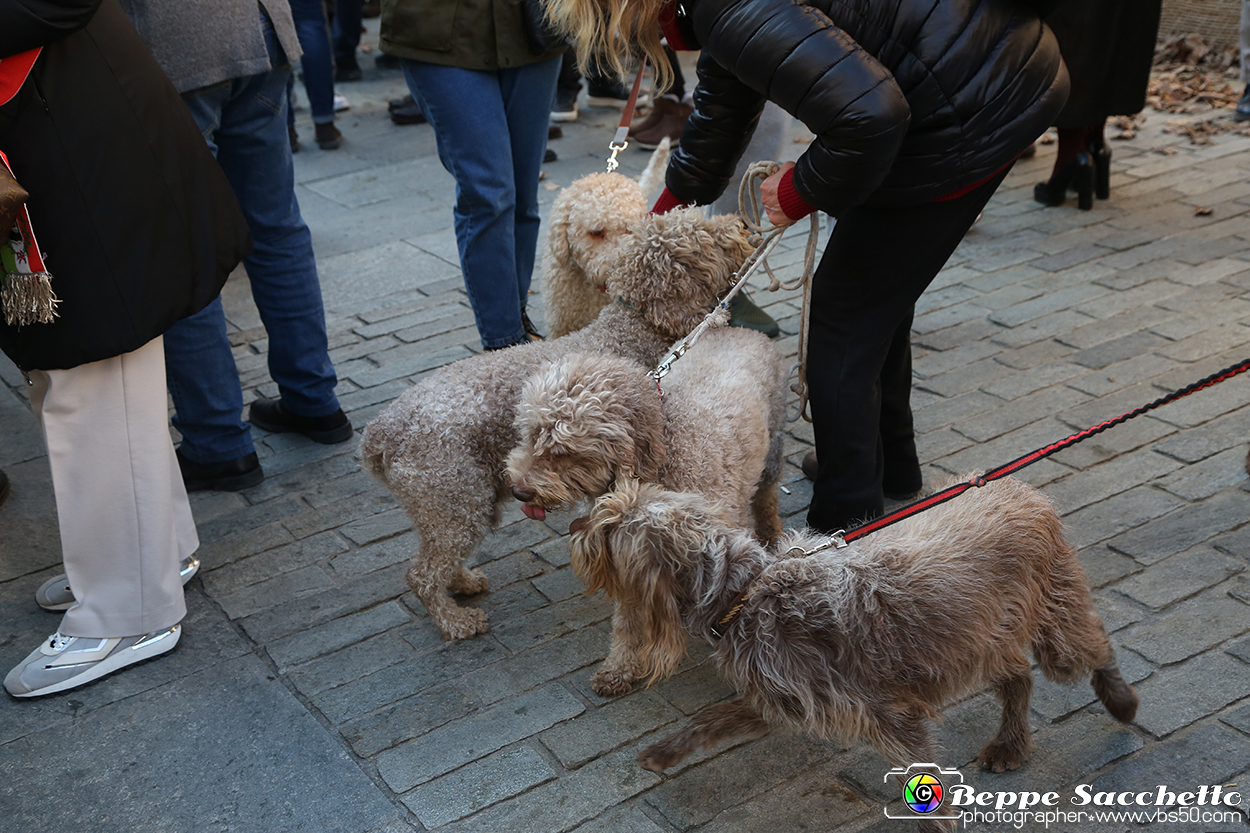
[533, 512]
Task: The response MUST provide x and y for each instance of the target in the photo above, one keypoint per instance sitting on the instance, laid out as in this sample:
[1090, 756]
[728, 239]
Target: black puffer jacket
[910, 100]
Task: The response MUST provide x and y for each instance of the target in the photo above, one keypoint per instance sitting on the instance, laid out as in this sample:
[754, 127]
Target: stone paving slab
[311, 691]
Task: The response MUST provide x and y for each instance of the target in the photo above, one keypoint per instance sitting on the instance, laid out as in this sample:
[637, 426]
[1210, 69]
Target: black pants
[878, 262]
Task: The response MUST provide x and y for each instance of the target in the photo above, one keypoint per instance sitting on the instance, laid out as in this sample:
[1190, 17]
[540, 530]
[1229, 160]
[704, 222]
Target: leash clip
[615, 147]
[838, 541]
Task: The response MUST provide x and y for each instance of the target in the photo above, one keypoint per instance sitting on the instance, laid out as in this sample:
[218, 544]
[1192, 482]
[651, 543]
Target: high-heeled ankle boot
[1077, 174]
[1101, 156]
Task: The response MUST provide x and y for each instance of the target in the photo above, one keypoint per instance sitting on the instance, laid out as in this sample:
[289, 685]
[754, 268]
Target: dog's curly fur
[589, 419]
[586, 221]
[440, 446]
[862, 642]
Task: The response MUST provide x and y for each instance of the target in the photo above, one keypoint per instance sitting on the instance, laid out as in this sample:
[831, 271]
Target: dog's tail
[652, 177]
[372, 450]
[1116, 694]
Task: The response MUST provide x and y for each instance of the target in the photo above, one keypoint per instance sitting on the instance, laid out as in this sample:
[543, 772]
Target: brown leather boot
[667, 119]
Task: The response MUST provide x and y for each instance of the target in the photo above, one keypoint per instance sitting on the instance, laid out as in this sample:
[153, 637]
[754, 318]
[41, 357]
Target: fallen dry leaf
[1203, 211]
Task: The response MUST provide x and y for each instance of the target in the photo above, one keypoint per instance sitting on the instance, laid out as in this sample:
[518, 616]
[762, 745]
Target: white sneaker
[341, 103]
[65, 662]
[54, 594]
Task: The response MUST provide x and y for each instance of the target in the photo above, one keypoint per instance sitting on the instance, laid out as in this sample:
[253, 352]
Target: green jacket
[470, 34]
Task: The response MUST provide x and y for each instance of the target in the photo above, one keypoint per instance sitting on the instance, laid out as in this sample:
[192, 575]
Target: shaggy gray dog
[589, 419]
[440, 446]
[868, 641]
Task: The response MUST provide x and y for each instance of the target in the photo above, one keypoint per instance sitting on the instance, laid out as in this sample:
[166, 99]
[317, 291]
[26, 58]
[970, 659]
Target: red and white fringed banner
[26, 295]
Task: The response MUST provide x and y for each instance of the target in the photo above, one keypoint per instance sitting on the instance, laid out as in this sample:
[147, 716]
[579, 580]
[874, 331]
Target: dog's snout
[522, 495]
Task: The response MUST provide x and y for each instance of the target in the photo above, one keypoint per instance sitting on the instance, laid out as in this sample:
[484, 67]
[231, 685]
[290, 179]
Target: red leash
[952, 492]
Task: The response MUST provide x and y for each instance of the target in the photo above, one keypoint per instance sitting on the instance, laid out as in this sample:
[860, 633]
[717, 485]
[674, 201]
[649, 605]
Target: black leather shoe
[809, 465]
[347, 73]
[408, 114]
[4, 486]
[744, 313]
[1078, 175]
[530, 330]
[230, 476]
[271, 415]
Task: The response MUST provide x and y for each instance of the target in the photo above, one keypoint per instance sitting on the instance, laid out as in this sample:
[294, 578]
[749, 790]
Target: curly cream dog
[863, 642]
[587, 219]
[589, 419]
[440, 446]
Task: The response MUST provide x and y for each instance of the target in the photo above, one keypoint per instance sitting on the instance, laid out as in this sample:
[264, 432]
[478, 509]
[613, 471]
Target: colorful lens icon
[923, 793]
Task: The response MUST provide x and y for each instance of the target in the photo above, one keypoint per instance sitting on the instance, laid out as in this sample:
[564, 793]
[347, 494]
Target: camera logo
[924, 788]
[923, 793]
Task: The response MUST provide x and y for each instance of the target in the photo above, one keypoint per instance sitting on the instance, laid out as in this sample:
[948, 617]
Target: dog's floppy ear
[645, 450]
[588, 546]
[558, 248]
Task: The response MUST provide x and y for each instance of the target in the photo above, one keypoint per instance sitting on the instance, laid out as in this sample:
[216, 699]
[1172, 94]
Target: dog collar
[739, 602]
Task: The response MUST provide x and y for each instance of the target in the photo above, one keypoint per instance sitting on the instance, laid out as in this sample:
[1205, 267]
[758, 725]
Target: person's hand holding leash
[772, 203]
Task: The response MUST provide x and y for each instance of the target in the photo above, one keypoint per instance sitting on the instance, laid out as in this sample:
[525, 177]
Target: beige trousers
[122, 509]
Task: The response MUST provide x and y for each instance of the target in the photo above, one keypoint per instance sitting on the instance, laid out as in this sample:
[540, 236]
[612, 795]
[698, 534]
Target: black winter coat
[1108, 47]
[138, 224]
[910, 100]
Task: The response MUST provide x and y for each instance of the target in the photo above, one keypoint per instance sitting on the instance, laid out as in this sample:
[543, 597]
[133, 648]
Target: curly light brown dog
[586, 221]
[868, 641]
[589, 419]
[440, 446]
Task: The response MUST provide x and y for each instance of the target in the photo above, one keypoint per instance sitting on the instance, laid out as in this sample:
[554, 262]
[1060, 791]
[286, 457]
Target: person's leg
[253, 151]
[863, 291]
[1244, 45]
[524, 90]
[568, 86]
[124, 519]
[1242, 111]
[202, 376]
[346, 35]
[123, 513]
[901, 474]
[465, 108]
[318, 67]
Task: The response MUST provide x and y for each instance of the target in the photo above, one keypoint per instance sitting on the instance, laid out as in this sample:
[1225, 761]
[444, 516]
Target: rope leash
[764, 238]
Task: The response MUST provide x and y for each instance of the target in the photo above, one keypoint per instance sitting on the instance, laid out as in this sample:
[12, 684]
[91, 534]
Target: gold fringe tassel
[28, 299]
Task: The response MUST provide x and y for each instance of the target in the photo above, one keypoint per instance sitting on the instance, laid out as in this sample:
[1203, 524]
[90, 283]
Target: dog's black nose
[522, 495]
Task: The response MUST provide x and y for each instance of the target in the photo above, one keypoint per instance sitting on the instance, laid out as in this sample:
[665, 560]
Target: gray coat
[204, 42]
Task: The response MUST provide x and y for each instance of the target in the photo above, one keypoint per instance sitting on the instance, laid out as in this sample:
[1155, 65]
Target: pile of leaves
[1191, 78]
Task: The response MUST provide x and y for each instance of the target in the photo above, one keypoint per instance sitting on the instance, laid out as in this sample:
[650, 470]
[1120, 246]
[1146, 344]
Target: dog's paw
[1000, 757]
[612, 683]
[468, 582]
[463, 623]
[660, 756]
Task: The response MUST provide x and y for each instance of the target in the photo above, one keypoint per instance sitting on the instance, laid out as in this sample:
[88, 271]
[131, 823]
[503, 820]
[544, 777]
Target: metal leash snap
[615, 147]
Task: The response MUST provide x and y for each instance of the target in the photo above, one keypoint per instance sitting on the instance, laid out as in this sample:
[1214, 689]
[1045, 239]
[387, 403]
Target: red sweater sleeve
[667, 202]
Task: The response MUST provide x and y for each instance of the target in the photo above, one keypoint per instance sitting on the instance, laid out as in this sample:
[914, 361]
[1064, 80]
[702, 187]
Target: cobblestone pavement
[311, 692]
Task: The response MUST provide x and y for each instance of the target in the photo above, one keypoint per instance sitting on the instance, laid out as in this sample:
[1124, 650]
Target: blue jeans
[491, 129]
[244, 122]
[314, 39]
